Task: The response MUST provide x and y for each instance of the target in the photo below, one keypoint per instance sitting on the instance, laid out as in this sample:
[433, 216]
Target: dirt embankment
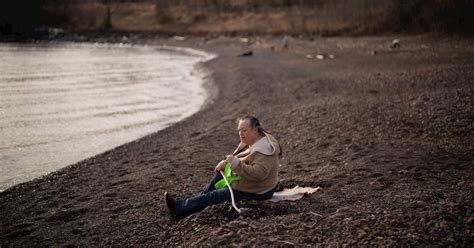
[327, 17]
[387, 134]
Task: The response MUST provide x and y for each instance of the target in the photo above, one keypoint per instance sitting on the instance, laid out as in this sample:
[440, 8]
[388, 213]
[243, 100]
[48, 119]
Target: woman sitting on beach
[256, 161]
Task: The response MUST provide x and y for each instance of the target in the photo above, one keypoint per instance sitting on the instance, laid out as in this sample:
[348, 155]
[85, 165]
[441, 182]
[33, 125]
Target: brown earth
[387, 134]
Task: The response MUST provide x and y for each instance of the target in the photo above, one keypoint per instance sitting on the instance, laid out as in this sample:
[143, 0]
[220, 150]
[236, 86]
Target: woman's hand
[233, 160]
[220, 166]
[229, 158]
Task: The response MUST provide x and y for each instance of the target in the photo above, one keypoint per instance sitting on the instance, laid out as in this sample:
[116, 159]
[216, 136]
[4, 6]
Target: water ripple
[61, 103]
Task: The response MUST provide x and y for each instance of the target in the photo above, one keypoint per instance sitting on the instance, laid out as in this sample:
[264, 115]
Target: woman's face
[247, 134]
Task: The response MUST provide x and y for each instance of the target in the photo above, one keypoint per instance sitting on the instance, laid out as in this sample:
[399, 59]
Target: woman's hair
[254, 123]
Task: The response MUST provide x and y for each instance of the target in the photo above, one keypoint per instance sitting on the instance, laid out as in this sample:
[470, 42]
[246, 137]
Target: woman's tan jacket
[258, 165]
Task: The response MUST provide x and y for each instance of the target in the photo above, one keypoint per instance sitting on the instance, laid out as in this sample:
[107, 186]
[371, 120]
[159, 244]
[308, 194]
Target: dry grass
[134, 17]
[267, 16]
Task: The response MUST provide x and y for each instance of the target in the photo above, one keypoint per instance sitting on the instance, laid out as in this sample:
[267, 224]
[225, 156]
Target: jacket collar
[263, 146]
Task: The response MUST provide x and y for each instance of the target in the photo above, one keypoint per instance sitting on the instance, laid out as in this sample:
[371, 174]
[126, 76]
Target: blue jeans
[210, 196]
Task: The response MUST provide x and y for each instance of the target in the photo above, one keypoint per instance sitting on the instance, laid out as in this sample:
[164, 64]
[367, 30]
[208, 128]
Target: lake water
[61, 103]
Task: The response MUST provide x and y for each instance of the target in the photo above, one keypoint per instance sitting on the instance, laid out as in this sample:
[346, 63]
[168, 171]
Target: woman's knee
[219, 196]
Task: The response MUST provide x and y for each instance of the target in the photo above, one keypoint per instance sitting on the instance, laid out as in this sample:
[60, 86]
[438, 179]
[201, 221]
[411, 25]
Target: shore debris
[246, 54]
[285, 41]
[320, 56]
[50, 31]
[180, 38]
[395, 44]
[244, 40]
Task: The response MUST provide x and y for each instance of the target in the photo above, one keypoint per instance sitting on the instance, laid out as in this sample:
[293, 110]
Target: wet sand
[387, 134]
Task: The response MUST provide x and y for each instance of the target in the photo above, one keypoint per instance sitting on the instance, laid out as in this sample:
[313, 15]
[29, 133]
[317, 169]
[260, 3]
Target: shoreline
[198, 74]
[354, 125]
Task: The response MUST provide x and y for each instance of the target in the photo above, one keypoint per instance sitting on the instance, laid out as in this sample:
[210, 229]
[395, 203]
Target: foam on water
[62, 103]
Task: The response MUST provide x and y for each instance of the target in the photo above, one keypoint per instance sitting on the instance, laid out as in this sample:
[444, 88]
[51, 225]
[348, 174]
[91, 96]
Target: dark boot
[170, 203]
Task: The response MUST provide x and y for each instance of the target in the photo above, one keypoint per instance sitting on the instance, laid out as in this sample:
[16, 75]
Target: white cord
[231, 193]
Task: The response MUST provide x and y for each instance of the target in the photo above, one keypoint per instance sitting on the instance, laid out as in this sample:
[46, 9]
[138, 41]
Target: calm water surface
[62, 103]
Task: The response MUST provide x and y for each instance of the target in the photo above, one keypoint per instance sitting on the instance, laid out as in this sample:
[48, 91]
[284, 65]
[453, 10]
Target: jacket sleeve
[258, 169]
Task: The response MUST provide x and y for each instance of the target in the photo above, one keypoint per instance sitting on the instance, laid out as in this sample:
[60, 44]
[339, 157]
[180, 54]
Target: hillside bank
[239, 17]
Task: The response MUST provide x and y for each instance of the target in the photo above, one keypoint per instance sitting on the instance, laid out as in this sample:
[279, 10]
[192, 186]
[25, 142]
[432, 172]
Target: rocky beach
[387, 134]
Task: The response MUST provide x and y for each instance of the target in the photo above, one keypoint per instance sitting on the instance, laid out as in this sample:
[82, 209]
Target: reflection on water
[61, 103]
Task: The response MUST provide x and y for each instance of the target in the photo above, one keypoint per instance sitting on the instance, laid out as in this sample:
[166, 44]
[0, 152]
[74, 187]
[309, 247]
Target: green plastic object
[228, 174]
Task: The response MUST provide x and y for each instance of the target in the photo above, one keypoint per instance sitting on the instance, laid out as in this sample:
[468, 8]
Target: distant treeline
[19, 17]
[314, 17]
